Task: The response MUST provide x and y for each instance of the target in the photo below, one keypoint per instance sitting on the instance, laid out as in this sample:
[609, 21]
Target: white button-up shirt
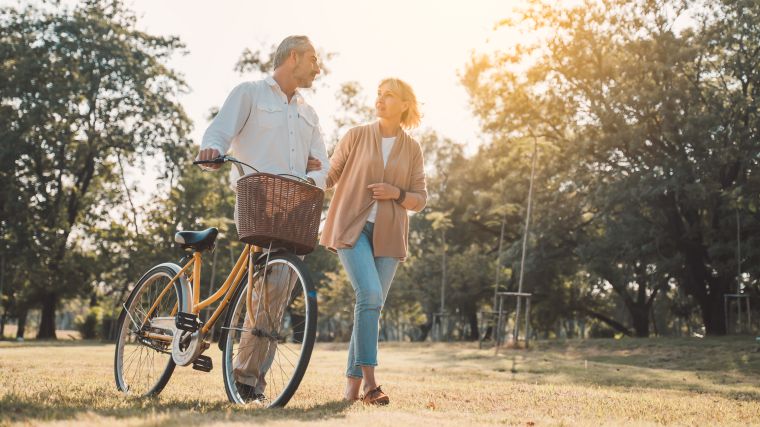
[258, 126]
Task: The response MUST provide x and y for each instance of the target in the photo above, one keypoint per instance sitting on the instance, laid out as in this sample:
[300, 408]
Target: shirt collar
[273, 83]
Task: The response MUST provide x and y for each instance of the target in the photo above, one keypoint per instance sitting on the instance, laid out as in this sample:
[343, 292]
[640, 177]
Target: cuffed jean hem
[358, 366]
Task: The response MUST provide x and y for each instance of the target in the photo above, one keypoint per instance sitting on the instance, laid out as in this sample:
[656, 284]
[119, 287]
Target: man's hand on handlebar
[209, 154]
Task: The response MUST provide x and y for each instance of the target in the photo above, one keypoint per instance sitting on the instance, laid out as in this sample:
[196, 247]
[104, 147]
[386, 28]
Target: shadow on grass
[19, 408]
[726, 366]
[11, 345]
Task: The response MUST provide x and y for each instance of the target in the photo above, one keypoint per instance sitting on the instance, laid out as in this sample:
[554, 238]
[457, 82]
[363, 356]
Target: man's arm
[227, 124]
[318, 151]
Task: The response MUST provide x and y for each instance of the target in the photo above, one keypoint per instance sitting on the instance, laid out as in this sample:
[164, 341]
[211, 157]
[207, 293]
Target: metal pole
[2, 277]
[480, 335]
[498, 260]
[738, 315]
[499, 326]
[749, 319]
[725, 310]
[738, 253]
[436, 327]
[443, 271]
[527, 321]
[525, 235]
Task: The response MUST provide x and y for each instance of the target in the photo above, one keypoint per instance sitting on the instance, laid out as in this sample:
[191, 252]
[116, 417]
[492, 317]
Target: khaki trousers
[256, 354]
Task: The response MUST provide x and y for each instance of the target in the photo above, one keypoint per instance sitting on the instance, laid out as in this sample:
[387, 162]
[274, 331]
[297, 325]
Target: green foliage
[647, 116]
[84, 93]
[89, 324]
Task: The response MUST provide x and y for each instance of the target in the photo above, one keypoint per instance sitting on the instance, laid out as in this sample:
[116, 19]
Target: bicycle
[273, 308]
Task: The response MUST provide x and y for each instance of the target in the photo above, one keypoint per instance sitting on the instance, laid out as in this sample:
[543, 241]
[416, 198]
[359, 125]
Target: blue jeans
[371, 279]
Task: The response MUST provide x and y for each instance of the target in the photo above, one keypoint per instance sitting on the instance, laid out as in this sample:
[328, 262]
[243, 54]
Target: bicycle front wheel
[267, 348]
[143, 361]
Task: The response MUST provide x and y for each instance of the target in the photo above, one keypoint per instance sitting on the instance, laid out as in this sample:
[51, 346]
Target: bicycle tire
[303, 288]
[160, 274]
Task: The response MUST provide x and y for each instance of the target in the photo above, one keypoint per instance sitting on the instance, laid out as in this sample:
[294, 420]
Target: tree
[657, 104]
[87, 92]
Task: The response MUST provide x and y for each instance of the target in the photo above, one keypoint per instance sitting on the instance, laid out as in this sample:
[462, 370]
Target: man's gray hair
[300, 43]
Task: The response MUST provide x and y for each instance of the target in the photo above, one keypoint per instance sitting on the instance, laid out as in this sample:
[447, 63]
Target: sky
[426, 43]
[423, 42]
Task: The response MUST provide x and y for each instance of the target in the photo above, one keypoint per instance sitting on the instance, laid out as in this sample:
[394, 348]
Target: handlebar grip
[217, 160]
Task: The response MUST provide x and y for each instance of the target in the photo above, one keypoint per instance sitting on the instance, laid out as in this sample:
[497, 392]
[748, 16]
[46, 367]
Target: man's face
[306, 68]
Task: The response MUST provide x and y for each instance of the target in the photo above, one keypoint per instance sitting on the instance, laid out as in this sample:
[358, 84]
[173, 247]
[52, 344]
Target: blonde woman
[378, 175]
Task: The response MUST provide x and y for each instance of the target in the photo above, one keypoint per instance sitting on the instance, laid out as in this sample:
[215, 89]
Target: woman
[378, 175]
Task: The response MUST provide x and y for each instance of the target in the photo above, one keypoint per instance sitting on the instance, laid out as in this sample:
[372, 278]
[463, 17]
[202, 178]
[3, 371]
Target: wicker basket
[278, 210]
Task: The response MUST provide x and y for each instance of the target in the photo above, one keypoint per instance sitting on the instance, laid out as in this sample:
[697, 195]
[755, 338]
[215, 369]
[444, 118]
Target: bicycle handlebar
[225, 158]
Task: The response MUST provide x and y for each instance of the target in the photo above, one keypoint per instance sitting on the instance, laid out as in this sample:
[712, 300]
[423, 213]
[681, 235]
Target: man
[268, 125]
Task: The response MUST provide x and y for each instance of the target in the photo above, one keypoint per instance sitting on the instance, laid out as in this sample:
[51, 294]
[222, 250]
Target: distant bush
[107, 324]
[601, 331]
[88, 325]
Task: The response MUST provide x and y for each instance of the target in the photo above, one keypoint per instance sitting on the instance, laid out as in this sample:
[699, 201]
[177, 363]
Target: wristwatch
[401, 196]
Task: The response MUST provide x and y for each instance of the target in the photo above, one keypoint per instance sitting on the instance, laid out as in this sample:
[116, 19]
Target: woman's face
[388, 104]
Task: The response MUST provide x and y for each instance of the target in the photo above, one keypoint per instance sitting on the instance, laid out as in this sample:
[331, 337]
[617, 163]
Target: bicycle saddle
[197, 240]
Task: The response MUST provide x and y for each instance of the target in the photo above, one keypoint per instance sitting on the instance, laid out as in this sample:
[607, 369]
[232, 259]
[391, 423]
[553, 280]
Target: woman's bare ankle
[353, 387]
[367, 387]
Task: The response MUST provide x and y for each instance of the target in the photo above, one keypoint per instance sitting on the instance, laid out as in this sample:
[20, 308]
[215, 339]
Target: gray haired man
[268, 125]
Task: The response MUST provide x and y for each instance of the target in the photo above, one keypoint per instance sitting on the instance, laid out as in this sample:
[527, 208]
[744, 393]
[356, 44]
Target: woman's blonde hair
[411, 117]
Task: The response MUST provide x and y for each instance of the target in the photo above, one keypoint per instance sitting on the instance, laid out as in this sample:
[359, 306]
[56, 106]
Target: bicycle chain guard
[186, 347]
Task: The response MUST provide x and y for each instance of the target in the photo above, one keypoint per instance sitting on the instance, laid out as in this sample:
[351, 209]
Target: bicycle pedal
[187, 322]
[203, 363]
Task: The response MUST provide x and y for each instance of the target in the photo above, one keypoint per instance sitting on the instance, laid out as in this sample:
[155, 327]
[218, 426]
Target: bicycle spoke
[294, 354]
[143, 361]
[280, 314]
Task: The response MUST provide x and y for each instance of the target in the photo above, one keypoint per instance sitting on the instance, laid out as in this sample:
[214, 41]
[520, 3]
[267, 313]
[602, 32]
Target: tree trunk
[713, 311]
[709, 295]
[609, 321]
[47, 321]
[425, 329]
[21, 323]
[697, 281]
[474, 331]
[640, 319]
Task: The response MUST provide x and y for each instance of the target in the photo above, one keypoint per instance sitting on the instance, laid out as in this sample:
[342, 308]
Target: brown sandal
[375, 397]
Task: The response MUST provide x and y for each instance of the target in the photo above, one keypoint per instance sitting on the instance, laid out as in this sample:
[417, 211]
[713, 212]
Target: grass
[592, 382]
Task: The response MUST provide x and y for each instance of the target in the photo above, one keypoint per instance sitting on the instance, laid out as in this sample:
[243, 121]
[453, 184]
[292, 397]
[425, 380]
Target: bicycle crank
[187, 346]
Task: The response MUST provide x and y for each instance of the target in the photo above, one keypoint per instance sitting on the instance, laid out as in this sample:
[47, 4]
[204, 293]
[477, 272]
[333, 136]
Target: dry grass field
[591, 382]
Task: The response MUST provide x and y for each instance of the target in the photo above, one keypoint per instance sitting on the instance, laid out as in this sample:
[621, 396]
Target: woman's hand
[383, 191]
[313, 164]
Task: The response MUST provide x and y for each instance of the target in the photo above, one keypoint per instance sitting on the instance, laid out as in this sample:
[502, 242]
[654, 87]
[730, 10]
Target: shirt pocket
[269, 116]
[307, 124]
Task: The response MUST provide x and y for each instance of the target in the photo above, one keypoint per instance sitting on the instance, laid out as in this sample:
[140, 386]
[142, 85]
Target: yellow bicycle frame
[227, 290]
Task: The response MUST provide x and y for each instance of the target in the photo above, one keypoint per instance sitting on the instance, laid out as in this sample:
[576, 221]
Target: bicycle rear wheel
[265, 357]
[143, 361]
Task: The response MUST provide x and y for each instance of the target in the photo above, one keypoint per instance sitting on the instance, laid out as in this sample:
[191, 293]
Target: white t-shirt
[387, 146]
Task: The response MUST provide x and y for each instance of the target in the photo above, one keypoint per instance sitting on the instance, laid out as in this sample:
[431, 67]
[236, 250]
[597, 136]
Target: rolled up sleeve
[416, 196]
[318, 151]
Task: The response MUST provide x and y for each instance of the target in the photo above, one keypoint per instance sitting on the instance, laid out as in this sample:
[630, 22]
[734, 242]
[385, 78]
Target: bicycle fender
[183, 287]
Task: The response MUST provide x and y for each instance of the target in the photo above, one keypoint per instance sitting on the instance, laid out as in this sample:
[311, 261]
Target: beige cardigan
[357, 163]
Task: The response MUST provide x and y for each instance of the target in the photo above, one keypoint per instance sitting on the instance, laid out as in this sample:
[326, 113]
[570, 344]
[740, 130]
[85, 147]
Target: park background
[642, 117]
